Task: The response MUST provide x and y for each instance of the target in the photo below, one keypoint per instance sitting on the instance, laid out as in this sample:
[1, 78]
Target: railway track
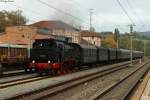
[124, 86]
[57, 88]
[17, 78]
[84, 78]
[14, 73]
[21, 80]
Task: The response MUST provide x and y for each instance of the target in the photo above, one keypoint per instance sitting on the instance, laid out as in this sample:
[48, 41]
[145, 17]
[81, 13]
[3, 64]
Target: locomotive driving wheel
[63, 69]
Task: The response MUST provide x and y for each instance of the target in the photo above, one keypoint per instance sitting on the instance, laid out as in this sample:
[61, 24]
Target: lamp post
[131, 50]
[144, 49]
[131, 44]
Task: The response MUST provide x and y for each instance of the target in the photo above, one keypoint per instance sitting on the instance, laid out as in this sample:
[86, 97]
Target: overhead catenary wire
[39, 14]
[136, 15]
[50, 6]
[64, 12]
[29, 10]
[95, 20]
[124, 10]
[57, 9]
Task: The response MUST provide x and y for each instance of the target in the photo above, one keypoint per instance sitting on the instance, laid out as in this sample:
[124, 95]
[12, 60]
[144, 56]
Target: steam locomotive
[51, 55]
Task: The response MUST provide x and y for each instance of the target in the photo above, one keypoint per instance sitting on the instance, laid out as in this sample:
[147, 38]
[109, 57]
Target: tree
[109, 41]
[124, 42]
[116, 36]
[11, 18]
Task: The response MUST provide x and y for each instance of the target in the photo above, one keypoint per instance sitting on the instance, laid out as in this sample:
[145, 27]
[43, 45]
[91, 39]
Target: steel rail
[30, 79]
[57, 88]
[102, 93]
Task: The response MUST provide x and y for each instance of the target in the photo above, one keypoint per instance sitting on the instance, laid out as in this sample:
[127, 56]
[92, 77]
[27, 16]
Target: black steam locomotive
[51, 55]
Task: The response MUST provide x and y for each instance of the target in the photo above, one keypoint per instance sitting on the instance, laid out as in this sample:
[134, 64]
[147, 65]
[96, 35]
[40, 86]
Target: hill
[146, 34]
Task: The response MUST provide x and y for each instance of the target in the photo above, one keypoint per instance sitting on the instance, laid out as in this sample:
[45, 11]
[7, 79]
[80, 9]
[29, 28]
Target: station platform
[146, 92]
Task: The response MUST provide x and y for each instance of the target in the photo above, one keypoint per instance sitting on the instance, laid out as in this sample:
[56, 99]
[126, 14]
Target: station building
[91, 38]
[25, 35]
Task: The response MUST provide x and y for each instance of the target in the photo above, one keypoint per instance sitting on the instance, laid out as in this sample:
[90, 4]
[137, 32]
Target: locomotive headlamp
[33, 61]
[49, 61]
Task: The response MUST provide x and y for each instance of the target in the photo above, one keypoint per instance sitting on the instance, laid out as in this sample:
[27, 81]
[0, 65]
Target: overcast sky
[107, 14]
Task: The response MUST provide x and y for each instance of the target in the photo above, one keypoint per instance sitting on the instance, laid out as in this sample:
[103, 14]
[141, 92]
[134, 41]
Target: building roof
[86, 33]
[54, 24]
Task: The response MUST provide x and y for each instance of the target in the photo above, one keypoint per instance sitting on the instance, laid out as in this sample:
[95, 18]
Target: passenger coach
[12, 55]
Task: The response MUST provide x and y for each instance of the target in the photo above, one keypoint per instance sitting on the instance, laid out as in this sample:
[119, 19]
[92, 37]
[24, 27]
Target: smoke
[68, 14]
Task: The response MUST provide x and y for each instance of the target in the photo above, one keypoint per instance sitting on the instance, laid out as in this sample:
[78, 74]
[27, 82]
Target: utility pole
[91, 13]
[144, 49]
[131, 44]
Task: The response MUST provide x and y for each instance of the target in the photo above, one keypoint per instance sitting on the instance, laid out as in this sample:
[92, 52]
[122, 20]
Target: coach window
[4, 51]
[25, 53]
[0, 50]
[12, 51]
[17, 50]
[20, 49]
[22, 52]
